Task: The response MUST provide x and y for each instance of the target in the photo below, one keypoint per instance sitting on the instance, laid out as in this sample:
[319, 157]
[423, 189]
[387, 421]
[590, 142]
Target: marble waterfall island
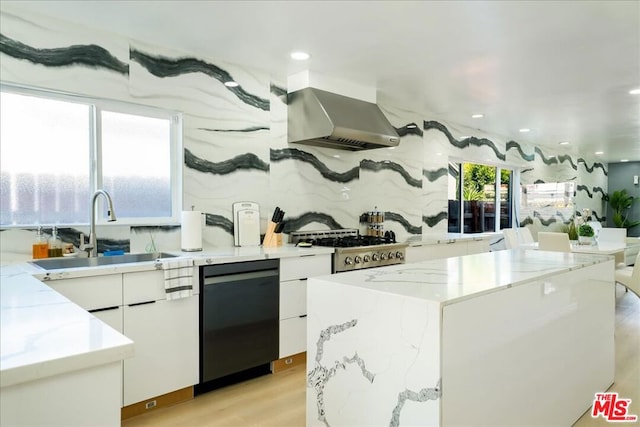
[504, 338]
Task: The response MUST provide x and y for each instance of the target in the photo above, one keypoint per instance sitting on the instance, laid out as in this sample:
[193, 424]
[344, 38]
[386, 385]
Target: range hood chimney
[325, 119]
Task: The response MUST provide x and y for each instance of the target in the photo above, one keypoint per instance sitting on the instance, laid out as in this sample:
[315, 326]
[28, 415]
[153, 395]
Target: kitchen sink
[59, 263]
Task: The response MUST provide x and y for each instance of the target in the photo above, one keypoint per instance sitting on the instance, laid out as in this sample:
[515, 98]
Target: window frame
[96, 106]
[515, 178]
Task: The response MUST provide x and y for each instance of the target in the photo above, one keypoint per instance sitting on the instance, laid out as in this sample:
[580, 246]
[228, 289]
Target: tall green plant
[621, 202]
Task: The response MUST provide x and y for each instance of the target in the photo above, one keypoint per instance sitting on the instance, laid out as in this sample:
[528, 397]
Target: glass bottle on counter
[55, 244]
[40, 248]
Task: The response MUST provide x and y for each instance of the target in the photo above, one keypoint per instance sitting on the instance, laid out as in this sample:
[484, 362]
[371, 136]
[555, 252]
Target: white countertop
[44, 334]
[438, 238]
[453, 279]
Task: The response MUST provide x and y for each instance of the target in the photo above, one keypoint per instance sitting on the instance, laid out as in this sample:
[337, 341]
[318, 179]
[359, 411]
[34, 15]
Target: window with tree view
[56, 150]
[480, 198]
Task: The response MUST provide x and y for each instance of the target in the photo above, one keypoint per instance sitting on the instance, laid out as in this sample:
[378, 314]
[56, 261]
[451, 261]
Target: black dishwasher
[239, 319]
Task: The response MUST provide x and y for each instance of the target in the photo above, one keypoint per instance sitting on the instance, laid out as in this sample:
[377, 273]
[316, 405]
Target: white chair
[629, 277]
[524, 236]
[610, 236]
[510, 238]
[557, 242]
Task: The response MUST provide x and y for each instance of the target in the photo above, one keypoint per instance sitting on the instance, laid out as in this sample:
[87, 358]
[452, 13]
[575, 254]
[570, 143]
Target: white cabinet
[446, 250]
[293, 299]
[165, 333]
[99, 295]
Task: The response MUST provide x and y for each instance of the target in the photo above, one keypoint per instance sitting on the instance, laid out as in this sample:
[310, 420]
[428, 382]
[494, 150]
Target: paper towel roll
[191, 231]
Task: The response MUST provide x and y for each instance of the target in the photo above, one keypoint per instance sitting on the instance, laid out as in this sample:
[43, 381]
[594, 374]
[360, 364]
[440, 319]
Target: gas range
[353, 251]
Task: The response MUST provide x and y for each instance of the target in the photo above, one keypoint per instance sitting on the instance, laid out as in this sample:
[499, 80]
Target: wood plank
[289, 362]
[157, 402]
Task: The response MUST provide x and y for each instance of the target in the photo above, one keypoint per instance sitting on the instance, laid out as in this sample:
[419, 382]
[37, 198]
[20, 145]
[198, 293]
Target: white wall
[236, 149]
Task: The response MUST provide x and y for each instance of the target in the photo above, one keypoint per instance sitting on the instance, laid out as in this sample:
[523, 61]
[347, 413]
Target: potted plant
[585, 234]
[621, 202]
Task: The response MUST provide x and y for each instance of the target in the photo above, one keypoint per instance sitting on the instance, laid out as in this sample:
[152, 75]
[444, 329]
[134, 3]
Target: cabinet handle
[302, 280]
[141, 303]
[302, 315]
[96, 310]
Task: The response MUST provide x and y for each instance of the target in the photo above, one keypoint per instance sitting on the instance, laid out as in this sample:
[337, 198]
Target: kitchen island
[502, 338]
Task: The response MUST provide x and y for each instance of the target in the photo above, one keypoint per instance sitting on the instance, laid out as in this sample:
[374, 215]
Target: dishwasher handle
[217, 280]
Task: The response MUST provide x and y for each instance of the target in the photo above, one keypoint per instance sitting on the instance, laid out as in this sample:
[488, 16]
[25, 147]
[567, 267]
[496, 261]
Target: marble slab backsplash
[235, 141]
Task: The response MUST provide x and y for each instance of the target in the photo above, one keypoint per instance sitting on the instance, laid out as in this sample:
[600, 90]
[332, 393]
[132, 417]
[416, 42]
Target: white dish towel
[178, 277]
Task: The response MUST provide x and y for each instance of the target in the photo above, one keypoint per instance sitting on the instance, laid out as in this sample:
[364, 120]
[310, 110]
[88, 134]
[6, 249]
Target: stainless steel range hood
[326, 119]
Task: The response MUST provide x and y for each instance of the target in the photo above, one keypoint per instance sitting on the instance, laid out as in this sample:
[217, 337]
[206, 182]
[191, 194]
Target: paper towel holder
[192, 243]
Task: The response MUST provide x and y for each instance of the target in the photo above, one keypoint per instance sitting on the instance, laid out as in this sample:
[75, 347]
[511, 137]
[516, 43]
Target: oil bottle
[55, 244]
[40, 248]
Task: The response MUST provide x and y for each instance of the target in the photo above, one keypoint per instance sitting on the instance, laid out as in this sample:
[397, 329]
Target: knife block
[271, 238]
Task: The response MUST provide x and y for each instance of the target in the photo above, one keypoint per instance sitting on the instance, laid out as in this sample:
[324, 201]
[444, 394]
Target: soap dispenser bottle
[55, 244]
[40, 248]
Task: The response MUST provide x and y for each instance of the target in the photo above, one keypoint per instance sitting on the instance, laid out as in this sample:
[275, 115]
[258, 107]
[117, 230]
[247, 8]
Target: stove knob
[399, 255]
[357, 259]
[367, 258]
[383, 256]
[375, 257]
[348, 260]
[391, 255]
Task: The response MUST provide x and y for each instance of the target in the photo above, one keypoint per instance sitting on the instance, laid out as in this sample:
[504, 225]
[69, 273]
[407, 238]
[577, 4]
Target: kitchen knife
[280, 227]
[276, 213]
[280, 216]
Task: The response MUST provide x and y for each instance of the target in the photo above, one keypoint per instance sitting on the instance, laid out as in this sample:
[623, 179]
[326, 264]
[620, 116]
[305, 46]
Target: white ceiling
[564, 69]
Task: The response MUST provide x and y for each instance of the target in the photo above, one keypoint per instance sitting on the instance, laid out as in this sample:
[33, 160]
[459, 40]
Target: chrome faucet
[92, 247]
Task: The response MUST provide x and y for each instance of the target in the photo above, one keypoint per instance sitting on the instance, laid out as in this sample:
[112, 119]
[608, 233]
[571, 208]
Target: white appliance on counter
[246, 224]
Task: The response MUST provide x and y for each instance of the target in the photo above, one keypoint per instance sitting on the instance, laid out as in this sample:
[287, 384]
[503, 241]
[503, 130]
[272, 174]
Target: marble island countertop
[438, 238]
[453, 279]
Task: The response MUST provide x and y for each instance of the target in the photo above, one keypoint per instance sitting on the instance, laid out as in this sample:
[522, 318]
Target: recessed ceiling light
[635, 91]
[300, 56]
[525, 130]
[337, 156]
[411, 126]
[477, 116]
[597, 153]
[231, 83]
[438, 154]
[391, 148]
[624, 160]
[564, 143]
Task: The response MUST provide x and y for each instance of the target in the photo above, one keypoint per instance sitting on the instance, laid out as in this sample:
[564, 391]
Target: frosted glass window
[136, 164]
[56, 150]
[44, 165]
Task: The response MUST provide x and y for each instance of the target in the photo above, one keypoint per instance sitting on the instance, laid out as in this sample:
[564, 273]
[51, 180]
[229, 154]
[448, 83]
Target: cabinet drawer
[142, 286]
[293, 298]
[93, 292]
[304, 266]
[293, 336]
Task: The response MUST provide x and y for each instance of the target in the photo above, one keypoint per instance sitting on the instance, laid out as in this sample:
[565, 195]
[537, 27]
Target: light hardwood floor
[279, 399]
